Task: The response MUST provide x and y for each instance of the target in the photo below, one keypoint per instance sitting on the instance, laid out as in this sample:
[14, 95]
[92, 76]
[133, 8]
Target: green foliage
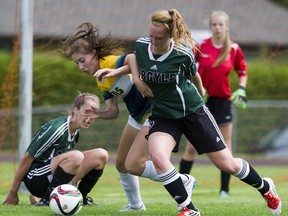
[5, 58]
[266, 79]
[281, 2]
[56, 80]
[270, 82]
[243, 200]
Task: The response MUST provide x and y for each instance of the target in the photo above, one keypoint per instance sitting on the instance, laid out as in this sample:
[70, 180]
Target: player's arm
[109, 72]
[239, 97]
[111, 111]
[242, 81]
[24, 166]
[196, 79]
[131, 61]
[141, 85]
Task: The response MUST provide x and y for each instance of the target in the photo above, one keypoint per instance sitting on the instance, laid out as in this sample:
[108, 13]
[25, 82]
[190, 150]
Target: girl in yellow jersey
[91, 53]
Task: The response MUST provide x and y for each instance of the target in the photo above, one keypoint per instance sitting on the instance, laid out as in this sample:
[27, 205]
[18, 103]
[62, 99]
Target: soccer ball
[66, 199]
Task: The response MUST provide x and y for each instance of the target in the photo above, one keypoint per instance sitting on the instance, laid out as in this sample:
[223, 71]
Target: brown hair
[81, 99]
[227, 41]
[87, 39]
[175, 25]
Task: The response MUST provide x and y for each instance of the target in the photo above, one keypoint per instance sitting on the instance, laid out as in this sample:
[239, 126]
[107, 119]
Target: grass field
[243, 200]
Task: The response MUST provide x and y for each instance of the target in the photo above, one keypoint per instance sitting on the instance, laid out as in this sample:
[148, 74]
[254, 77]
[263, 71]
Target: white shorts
[136, 125]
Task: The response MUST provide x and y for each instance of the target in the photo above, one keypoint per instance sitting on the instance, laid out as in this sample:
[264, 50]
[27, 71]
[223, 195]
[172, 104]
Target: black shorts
[221, 109]
[37, 180]
[199, 128]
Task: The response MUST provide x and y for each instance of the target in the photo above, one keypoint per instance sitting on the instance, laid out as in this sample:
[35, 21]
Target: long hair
[87, 39]
[227, 41]
[175, 25]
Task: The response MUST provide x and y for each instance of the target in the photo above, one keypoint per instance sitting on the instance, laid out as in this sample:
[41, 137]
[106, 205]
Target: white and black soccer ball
[66, 199]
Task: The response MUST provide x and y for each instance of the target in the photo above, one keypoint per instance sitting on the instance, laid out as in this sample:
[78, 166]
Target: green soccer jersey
[168, 76]
[52, 139]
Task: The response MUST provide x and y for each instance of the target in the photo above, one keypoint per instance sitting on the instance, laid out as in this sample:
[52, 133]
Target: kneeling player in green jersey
[50, 160]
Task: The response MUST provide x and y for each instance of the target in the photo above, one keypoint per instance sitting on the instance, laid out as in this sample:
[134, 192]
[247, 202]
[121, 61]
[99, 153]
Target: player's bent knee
[130, 168]
[227, 167]
[135, 166]
[120, 166]
[76, 157]
[103, 155]
[158, 162]
[120, 162]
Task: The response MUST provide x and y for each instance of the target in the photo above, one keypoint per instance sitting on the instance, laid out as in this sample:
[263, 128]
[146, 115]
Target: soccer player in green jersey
[164, 70]
[50, 160]
[97, 56]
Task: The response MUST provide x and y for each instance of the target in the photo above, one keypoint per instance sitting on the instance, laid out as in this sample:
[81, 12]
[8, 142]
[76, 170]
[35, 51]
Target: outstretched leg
[245, 172]
[129, 182]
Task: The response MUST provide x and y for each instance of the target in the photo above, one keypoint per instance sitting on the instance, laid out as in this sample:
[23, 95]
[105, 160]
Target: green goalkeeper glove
[239, 98]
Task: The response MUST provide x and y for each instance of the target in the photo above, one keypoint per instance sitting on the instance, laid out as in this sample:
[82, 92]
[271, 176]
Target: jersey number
[117, 92]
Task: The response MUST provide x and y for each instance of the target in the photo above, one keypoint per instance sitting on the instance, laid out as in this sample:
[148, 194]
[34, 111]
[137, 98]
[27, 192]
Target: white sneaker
[129, 207]
[273, 200]
[223, 194]
[189, 186]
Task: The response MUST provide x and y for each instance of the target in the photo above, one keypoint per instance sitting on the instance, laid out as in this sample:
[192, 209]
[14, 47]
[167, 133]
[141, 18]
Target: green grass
[243, 199]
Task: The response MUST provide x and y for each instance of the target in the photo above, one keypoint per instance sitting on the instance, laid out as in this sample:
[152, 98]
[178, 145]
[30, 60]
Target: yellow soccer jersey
[109, 62]
[118, 86]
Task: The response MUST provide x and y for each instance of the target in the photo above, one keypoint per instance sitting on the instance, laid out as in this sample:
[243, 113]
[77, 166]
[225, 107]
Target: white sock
[150, 171]
[130, 184]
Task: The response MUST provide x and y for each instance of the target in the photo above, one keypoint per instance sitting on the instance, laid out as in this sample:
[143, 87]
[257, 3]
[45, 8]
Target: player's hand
[239, 98]
[205, 96]
[92, 112]
[105, 73]
[144, 89]
[32, 199]
[11, 199]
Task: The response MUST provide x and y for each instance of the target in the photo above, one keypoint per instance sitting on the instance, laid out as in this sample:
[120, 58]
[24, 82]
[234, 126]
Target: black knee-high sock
[185, 166]
[225, 179]
[59, 177]
[248, 175]
[174, 185]
[88, 181]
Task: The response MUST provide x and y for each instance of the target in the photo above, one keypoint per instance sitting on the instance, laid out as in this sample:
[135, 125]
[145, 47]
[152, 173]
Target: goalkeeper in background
[218, 56]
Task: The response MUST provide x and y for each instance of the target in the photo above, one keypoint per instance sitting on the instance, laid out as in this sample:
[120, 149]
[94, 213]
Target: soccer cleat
[129, 207]
[189, 212]
[42, 203]
[223, 194]
[88, 201]
[272, 198]
[189, 186]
